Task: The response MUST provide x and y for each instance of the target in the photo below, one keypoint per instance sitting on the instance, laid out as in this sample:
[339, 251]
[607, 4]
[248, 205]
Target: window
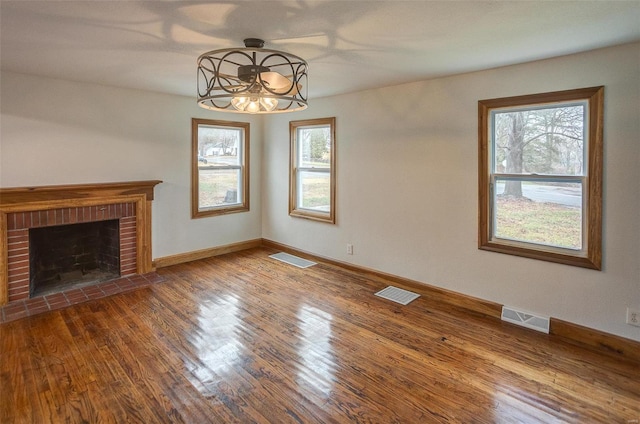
[540, 176]
[220, 167]
[312, 180]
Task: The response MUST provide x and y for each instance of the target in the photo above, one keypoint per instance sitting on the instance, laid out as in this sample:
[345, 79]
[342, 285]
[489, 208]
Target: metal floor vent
[292, 260]
[525, 319]
[398, 295]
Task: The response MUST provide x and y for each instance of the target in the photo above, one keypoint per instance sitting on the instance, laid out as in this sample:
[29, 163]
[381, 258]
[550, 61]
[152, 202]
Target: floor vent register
[292, 260]
[401, 296]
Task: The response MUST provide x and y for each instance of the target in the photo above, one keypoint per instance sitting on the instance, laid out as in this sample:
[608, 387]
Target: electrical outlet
[349, 249]
[633, 317]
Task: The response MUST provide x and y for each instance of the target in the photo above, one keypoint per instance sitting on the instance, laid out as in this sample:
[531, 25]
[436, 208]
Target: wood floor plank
[205, 377]
[153, 368]
[11, 387]
[244, 338]
[129, 365]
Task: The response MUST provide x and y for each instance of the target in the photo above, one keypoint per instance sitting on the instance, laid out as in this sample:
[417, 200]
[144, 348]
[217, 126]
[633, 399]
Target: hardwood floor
[244, 338]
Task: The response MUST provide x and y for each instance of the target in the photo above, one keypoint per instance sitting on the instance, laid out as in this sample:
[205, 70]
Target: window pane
[219, 146]
[314, 147]
[314, 191]
[540, 141]
[548, 213]
[219, 187]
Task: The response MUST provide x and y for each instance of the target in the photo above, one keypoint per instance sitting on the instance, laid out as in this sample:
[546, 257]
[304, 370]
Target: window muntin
[540, 176]
[312, 179]
[220, 160]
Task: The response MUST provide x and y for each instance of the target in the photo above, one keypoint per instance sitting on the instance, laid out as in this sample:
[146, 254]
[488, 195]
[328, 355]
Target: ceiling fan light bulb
[269, 103]
[253, 106]
[240, 103]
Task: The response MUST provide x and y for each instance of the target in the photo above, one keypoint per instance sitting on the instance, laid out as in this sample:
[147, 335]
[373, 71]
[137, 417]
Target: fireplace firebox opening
[62, 257]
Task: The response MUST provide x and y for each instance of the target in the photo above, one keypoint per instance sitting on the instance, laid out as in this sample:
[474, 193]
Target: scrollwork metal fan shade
[252, 80]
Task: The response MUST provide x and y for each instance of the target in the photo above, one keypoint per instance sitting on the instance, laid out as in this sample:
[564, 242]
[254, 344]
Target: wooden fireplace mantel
[43, 194]
[43, 198]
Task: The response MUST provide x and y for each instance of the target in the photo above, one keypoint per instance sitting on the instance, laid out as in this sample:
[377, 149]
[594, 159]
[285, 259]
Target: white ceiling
[350, 45]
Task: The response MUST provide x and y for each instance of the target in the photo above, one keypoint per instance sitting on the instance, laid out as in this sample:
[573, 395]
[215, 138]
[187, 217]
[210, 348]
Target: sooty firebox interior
[67, 256]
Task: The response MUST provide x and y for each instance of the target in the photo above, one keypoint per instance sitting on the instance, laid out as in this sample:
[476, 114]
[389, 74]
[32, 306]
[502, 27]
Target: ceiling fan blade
[275, 80]
[228, 76]
[279, 84]
[285, 90]
[230, 87]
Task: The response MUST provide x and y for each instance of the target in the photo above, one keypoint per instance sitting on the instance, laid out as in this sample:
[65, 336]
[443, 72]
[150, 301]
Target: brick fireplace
[22, 210]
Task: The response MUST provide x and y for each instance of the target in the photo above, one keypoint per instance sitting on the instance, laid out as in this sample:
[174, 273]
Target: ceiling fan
[252, 80]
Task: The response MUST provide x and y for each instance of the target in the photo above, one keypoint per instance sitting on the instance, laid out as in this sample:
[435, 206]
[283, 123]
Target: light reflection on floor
[524, 407]
[317, 369]
[219, 348]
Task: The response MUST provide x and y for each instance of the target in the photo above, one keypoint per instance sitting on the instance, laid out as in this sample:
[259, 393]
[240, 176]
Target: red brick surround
[19, 223]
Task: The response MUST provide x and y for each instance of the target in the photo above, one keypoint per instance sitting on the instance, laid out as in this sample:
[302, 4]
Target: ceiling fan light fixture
[254, 104]
[252, 80]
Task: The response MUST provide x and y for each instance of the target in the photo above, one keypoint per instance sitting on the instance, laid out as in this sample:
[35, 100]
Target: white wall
[407, 188]
[59, 132]
[407, 176]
